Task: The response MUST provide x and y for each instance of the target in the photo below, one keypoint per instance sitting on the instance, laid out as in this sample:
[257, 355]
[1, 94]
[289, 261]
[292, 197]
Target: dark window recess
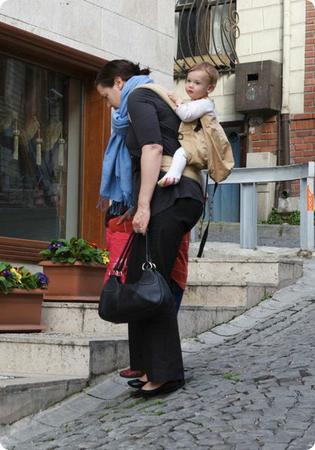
[33, 151]
[207, 31]
[252, 77]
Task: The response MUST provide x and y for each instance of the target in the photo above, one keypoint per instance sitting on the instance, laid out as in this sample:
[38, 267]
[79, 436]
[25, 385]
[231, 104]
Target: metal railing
[248, 177]
[207, 31]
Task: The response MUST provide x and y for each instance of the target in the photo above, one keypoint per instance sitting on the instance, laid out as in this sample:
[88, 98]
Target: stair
[78, 347]
[78, 343]
[62, 354]
[79, 319]
[277, 272]
[225, 283]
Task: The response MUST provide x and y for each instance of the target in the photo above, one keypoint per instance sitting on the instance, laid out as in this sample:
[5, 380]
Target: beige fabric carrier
[206, 144]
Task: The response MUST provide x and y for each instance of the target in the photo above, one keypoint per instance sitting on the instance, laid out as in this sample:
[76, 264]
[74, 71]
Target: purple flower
[6, 273]
[42, 279]
[56, 245]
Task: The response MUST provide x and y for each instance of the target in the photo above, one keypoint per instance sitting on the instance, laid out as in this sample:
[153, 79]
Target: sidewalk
[250, 385]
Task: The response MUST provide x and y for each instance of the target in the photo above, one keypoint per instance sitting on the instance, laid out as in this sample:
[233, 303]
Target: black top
[152, 121]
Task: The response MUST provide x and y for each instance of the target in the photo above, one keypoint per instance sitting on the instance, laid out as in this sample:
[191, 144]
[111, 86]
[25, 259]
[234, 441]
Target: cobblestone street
[255, 390]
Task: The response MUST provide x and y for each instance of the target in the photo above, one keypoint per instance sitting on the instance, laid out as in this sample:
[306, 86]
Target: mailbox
[258, 87]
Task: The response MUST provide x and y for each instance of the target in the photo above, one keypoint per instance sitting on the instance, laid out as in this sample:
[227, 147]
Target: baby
[201, 80]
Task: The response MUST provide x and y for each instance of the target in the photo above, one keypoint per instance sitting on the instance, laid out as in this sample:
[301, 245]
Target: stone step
[83, 319]
[62, 354]
[279, 272]
[194, 320]
[78, 318]
[227, 294]
[22, 394]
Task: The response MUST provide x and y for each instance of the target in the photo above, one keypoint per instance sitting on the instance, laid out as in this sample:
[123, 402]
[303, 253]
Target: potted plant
[21, 297]
[75, 269]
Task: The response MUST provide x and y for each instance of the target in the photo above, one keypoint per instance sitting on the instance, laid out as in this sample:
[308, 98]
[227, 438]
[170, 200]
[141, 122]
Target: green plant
[73, 250]
[274, 218]
[266, 296]
[277, 218]
[232, 376]
[294, 218]
[20, 278]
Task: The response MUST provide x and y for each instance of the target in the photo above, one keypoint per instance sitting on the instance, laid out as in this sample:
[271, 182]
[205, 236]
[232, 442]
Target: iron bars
[207, 31]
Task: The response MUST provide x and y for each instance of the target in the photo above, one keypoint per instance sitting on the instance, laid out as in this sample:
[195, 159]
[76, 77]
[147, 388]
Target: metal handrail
[248, 177]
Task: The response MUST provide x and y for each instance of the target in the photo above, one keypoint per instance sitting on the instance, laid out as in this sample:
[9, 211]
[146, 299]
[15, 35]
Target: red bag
[116, 238]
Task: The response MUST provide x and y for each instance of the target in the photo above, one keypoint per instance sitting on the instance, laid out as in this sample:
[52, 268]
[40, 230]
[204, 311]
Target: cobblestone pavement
[252, 390]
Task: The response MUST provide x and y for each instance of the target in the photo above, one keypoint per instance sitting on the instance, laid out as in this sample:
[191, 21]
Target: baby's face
[197, 85]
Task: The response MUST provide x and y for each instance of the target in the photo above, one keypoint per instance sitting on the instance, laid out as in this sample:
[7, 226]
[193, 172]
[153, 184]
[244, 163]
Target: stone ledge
[21, 396]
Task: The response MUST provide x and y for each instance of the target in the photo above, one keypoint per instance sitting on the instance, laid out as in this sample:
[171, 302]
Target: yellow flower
[16, 275]
[105, 258]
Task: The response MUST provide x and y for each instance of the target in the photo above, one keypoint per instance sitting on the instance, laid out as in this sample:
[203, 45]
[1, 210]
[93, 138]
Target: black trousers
[154, 344]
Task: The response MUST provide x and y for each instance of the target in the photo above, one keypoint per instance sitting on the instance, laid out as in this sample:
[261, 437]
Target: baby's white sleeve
[190, 111]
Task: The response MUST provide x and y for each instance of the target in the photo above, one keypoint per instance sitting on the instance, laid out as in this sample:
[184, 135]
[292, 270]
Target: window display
[33, 151]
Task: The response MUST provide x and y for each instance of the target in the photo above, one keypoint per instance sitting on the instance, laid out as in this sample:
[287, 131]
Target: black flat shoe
[166, 388]
[137, 384]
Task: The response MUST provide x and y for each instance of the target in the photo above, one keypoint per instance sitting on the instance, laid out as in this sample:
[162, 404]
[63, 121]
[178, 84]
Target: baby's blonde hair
[210, 70]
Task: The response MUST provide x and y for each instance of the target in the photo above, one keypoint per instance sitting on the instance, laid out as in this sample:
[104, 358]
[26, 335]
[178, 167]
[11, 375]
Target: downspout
[284, 150]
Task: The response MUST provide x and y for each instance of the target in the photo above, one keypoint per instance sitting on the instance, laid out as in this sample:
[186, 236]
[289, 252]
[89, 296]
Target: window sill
[181, 64]
[24, 250]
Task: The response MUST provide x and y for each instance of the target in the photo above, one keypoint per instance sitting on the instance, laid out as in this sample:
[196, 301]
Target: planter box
[21, 310]
[73, 282]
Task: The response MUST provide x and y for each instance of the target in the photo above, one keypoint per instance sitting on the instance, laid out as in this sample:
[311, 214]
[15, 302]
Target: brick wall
[302, 126]
[302, 133]
[264, 138]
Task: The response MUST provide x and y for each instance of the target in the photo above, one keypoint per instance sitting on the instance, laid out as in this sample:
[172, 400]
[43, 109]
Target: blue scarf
[116, 181]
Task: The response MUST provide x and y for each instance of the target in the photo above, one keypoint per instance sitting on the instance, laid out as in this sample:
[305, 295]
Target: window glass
[33, 151]
[222, 31]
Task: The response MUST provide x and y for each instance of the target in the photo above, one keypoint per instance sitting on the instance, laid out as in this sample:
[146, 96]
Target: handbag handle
[147, 265]
[124, 254]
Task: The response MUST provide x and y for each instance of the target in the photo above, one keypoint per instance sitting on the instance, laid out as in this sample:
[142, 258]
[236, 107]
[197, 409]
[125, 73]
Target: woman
[116, 183]
[167, 214]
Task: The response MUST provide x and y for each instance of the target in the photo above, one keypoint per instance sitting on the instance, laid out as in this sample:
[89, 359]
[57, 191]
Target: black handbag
[123, 302]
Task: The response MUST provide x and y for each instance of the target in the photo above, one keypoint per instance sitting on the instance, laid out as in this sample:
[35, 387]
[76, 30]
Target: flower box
[73, 282]
[21, 298]
[75, 269]
[21, 310]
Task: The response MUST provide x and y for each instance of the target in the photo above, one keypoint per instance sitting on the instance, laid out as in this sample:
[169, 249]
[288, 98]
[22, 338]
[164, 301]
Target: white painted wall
[260, 23]
[143, 31]
[139, 30]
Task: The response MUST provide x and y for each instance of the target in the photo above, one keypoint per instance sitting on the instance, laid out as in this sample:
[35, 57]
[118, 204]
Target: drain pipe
[284, 151]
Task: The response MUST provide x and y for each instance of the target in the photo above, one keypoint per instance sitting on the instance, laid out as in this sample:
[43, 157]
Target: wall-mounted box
[258, 87]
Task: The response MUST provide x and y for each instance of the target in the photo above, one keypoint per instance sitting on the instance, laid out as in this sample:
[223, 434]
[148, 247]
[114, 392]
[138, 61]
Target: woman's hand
[141, 220]
[151, 157]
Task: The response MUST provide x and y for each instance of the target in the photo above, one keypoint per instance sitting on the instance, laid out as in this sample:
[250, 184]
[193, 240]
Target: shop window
[35, 153]
[206, 31]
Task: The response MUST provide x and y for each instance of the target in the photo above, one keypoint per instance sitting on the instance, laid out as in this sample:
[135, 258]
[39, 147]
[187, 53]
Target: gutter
[284, 147]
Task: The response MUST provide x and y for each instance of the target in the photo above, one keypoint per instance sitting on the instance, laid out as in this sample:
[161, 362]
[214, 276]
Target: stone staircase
[77, 347]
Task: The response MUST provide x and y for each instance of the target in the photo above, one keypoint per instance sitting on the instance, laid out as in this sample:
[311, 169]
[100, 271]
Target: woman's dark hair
[118, 68]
